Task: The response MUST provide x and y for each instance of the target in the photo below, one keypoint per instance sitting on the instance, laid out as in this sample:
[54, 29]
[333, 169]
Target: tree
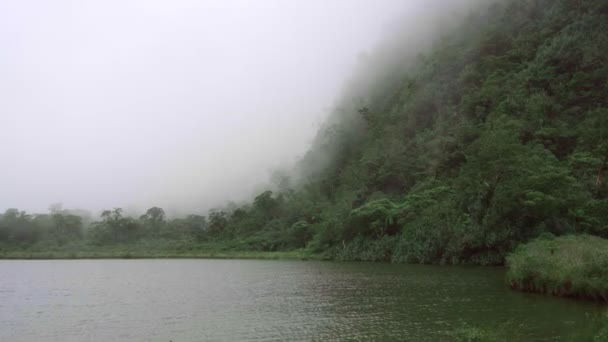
[154, 221]
[218, 220]
[266, 204]
[66, 228]
[114, 228]
[17, 226]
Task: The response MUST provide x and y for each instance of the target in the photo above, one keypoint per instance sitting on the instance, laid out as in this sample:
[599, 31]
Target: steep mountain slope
[497, 135]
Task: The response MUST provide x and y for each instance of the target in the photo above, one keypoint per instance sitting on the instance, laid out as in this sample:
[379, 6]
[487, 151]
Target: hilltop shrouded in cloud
[183, 104]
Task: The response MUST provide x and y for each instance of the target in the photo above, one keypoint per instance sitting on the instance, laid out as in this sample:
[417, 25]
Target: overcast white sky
[181, 104]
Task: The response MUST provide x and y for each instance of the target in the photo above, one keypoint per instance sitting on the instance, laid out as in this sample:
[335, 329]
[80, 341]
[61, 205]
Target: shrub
[571, 266]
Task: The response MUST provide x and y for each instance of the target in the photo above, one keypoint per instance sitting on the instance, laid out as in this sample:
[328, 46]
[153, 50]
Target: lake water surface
[257, 300]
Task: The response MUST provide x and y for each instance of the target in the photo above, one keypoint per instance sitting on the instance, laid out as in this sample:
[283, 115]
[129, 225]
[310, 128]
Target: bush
[367, 249]
[571, 266]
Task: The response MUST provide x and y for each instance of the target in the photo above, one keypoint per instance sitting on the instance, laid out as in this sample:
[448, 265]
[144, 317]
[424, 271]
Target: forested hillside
[496, 135]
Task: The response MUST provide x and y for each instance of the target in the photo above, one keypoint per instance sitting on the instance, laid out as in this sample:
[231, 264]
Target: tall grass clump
[569, 266]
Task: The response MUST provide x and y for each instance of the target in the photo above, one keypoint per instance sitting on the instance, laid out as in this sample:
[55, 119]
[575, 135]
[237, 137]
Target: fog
[181, 104]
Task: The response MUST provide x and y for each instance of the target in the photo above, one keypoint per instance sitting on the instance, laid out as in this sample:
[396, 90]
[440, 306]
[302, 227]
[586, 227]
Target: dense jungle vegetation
[496, 135]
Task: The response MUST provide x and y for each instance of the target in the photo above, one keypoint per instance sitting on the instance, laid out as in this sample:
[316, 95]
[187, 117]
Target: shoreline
[83, 255]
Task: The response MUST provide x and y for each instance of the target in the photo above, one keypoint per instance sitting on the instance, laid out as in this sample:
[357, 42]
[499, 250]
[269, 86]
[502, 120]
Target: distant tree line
[62, 227]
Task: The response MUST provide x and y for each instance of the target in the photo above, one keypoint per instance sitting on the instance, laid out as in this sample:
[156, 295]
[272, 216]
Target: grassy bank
[139, 252]
[569, 266]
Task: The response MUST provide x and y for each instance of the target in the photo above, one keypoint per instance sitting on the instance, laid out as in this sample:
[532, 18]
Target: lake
[266, 300]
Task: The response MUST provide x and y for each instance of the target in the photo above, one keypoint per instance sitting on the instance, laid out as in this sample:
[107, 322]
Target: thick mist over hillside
[186, 104]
